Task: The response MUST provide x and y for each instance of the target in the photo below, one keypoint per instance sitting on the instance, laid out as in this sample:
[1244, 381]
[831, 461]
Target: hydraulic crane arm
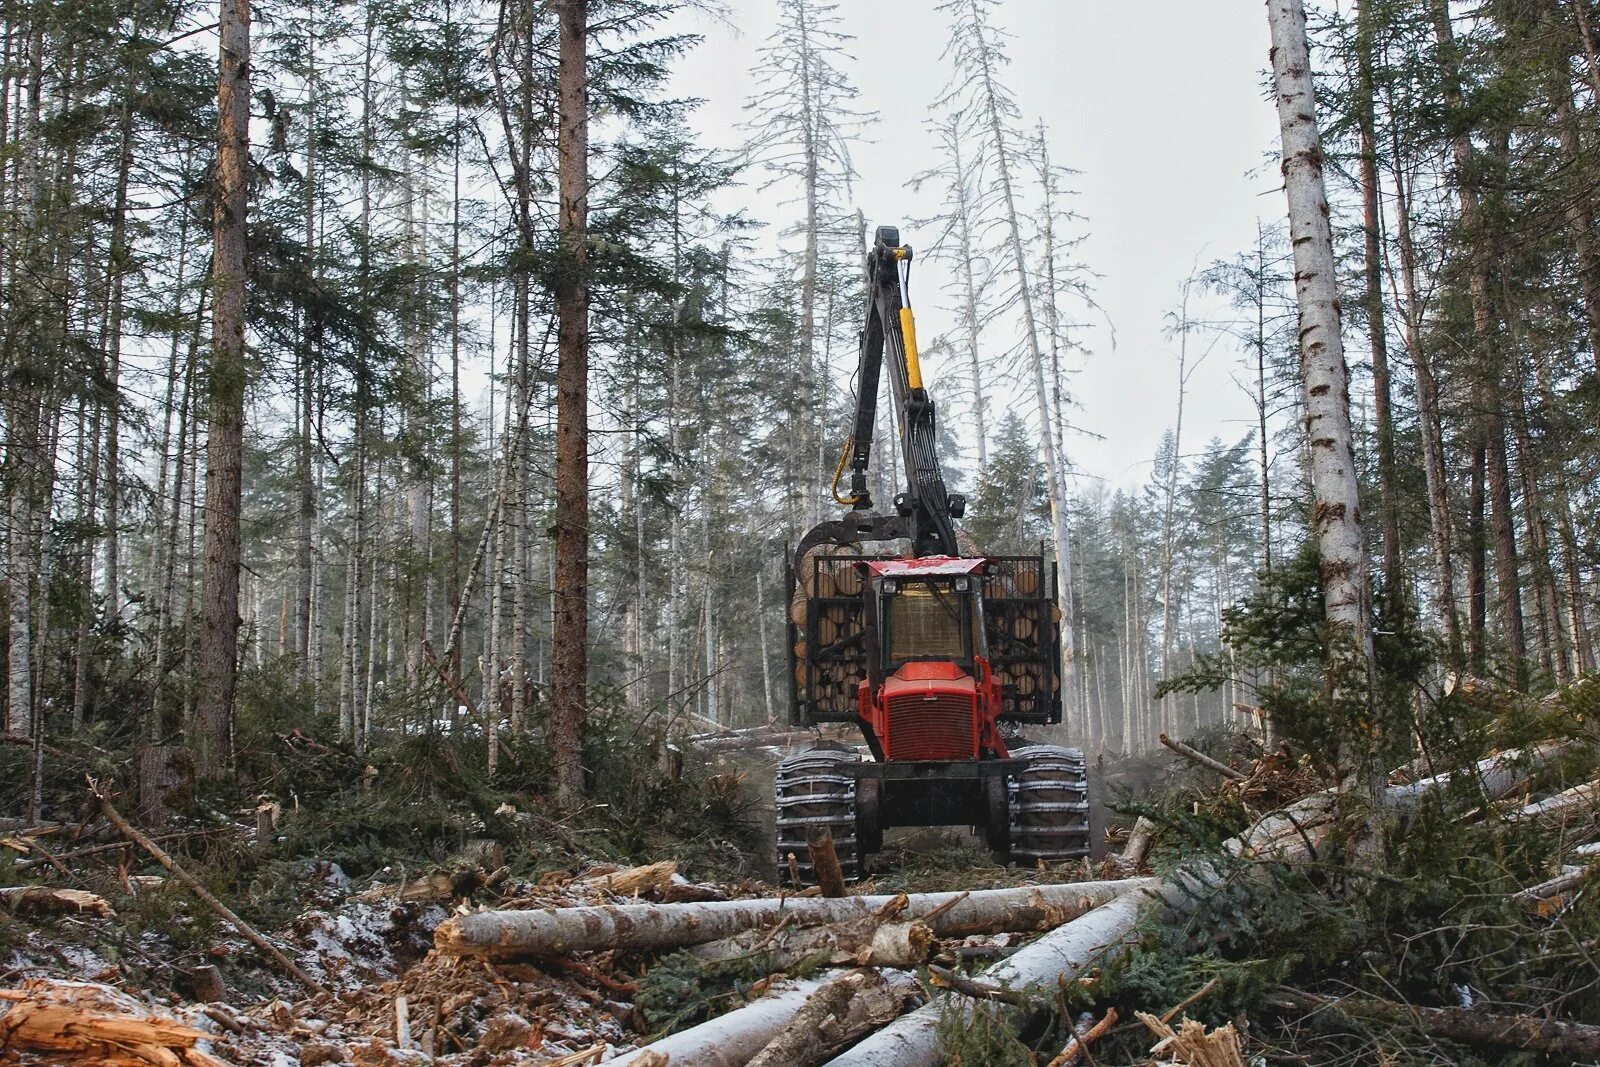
[925, 512]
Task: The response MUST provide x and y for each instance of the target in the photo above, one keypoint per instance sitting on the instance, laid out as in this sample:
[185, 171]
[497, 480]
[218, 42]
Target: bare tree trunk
[964, 220]
[1439, 514]
[1054, 465]
[1576, 203]
[219, 644]
[570, 653]
[1372, 224]
[1491, 422]
[1336, 514]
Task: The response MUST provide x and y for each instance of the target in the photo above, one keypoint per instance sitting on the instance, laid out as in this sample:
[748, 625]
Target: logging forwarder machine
[938, 654]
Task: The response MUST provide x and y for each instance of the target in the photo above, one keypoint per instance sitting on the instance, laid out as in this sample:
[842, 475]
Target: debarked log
[656, 927]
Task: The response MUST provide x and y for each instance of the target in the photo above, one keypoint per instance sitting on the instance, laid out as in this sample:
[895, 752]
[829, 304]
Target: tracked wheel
[816, 791]
[1049, 805]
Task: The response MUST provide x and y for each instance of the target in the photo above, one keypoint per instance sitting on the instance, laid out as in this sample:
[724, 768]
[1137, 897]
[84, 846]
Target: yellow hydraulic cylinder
[908, 333]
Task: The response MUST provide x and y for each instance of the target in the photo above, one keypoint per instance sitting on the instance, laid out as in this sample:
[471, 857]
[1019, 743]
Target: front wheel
[815, 791]
[1049, 802]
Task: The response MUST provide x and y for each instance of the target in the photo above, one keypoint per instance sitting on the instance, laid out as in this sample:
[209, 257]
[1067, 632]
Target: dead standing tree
[986, 106]
[803, 125]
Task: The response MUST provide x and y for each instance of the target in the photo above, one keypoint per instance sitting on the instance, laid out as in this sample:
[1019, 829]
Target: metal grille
[944, 727]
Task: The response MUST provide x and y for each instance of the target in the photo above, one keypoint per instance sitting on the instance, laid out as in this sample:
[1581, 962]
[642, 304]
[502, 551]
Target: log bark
[654, 927]
[865, 942]
[1061, 954]
[1569, 878]
[825, 863]
[840, 1012]
[218, 653]
[729, 1040]
[569, 657]
[1138, 846]
[1581, 798]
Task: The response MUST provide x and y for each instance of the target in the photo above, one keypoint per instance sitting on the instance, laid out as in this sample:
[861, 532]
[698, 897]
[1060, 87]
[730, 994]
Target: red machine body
[932, 709]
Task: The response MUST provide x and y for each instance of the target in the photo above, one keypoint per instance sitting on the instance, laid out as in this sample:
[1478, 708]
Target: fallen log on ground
[839, 1013]
[38, 899]
[1580, 798]
[223, 911]
[1469, 1025]
[730, 1040]
[1569, 878]
[1291, 835]
[1064, 953]
[743, 742]
[1195, 756]
[634, 880]
[868, 941]
[1496, 775]
[656, 927]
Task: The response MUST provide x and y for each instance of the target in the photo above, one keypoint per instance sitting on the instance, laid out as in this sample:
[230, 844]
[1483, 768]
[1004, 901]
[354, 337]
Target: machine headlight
[963, 584]
[889, 586]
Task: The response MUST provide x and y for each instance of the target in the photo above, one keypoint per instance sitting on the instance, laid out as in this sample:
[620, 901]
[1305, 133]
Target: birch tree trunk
[219, 643]
[570, 654]
[1336, 510]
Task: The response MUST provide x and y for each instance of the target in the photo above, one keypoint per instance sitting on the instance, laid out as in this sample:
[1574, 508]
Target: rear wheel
[815, 792]
[1049, 798]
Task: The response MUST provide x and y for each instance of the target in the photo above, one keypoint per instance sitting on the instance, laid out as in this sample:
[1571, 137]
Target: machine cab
[929, 611]
[929, 694]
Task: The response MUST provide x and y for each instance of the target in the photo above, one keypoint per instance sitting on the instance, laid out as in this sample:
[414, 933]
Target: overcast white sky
[1156, 102]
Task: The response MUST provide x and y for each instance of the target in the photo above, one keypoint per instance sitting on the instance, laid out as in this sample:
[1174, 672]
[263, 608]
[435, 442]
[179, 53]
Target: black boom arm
[926, 507]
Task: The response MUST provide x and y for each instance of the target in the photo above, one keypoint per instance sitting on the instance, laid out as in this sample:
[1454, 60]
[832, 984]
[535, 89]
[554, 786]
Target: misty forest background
[404, 265]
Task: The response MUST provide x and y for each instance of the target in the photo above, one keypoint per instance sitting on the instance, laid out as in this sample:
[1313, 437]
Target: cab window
[923, 621]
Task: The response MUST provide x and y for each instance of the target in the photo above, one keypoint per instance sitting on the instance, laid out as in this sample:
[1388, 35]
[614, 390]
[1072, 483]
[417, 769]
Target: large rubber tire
[1049, 805]
[815, 791]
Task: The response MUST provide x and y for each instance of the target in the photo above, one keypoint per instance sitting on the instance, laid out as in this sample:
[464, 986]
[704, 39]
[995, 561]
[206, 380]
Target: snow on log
[87, 1022]
[654, 927]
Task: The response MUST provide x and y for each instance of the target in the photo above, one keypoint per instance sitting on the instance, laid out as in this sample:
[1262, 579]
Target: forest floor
[1283, 954]
[390, 999]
